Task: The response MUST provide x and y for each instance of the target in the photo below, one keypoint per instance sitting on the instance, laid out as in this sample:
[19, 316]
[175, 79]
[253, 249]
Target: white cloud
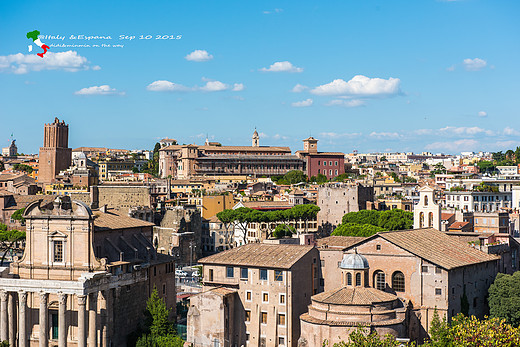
[482, 114]
[511, 132]
[466, 130]
[214, 86]
[199, 55]
[276, 10]
[385, 135]
[237, 87]
[454, 146]
[99, 90]
[474, 64]
[451, 68]
[299, 88]
[346, 103]
[303, 103]
[96, 67]
[282, 66]
[23, 63]
[333, 135]
[360, 85]
[166, 86]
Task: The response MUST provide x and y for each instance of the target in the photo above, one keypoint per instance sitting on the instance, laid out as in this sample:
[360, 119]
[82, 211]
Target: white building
[427, 213]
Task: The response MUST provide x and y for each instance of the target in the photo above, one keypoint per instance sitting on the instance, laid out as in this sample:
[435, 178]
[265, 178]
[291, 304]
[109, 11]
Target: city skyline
[434, 76]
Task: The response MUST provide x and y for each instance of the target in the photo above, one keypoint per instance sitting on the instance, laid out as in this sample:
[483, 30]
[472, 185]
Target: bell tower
[256, 139]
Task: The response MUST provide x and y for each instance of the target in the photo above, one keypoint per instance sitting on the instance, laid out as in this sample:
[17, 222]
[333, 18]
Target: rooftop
[260, 255]
[339, 242]
[353, 296]
[112, 220]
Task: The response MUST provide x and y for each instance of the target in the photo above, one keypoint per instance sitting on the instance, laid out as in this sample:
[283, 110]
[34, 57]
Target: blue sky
[431, 75]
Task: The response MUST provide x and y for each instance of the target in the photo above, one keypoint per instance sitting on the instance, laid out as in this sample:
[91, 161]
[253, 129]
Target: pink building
[330, 164]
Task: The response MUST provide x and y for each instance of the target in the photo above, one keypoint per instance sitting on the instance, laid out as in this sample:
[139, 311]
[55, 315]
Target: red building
[330, 164]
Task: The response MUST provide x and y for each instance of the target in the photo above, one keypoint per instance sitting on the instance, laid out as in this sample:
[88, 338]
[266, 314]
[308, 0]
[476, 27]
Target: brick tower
[55, 155]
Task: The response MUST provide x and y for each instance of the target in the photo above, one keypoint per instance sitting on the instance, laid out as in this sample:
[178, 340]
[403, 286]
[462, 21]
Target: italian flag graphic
[34, 36]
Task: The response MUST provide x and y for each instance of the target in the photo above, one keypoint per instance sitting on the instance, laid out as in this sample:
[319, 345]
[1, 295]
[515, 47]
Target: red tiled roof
[446, 216]
[458, 225]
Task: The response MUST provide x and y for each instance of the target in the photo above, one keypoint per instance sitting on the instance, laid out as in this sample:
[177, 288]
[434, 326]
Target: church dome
[354, 262]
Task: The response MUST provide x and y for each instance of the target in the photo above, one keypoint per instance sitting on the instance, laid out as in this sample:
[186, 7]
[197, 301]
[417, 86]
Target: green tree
[395, 219]
[9, 240]
[439, 332]
[23, 167]
[159, 331]
[352, 229]
[504, 298]
[18, 215]
[362, 337]
[283, 230]
[486, 166]
[362, 217]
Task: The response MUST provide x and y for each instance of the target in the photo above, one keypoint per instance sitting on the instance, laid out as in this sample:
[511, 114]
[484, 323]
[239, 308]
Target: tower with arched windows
[354, 270]
[427, 214]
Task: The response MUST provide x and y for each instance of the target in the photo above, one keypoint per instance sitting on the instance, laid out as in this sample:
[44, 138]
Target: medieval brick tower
[55, 155]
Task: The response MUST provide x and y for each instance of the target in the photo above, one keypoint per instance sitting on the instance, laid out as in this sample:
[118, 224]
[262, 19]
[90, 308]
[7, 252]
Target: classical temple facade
[84, 277]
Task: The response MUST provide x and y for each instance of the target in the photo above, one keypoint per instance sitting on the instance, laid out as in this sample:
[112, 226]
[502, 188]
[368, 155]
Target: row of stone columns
[7, 319]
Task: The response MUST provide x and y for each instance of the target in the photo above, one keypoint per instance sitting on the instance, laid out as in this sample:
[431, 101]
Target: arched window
[379, 280]
[421, 220]
[358, 279]
[430, 219]
[349, 279]
[426, 200]
[398, 281]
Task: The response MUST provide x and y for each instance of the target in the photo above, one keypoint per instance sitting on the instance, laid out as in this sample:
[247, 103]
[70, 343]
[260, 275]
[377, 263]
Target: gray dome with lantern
[354, 261]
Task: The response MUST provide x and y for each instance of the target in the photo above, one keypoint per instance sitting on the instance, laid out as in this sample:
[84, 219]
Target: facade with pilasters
[83, 279]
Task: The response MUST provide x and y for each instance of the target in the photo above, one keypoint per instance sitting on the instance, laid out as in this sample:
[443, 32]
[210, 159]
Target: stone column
[44, 313]
[62, 326]
[4, 329]
[11, 309]
[92, 313]
[107, 326]
[82, 302]
[22, 307]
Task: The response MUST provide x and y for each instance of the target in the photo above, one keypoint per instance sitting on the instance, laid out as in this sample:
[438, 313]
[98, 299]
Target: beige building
[253, 295]
[84, 276]
[337, 199]
[334, 314]
[429, 269]
[427, 213]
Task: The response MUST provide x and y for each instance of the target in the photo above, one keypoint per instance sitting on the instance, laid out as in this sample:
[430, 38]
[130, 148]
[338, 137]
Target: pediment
[57, 233]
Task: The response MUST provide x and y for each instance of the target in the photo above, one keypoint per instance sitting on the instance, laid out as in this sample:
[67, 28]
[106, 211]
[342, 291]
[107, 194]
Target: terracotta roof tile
[338, 242]
[353, 296]
[260, 255]
[113, 220]
[436, 247]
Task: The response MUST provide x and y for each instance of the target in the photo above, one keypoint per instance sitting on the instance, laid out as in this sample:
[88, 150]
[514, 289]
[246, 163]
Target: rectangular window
[247, 336]
[263, 275]
[278, 275]
[281, 341]
[438, 291]
[282, 299]
[248, 316]
[424, 268]
[211, 275]
[438, 270]
[243, 273]
[263, 318]
[281, 319]
[54, 326]
[248, 296]
[330, 163]
[230, 271]
[58, 251]
[265, 297]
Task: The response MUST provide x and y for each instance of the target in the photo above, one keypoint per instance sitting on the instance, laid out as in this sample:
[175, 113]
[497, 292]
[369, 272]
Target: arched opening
[426, 200]
[358, 279]
[421, 220]
[379, 280]
[349, 279]
[398, 283]
[430, 219]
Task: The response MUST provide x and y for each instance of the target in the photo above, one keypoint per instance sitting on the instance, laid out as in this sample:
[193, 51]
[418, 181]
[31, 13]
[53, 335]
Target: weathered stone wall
[123, 198]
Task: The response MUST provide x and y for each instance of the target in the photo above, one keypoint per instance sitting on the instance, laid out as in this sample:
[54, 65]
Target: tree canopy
[395, 219]
[504, 298]
[9, 240]
[283, 230]
[292, 177]
[352, 229]
[159, 331]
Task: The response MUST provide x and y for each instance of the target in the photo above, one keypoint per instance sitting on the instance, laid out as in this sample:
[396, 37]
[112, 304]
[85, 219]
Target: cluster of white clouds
[346, 103]
[210, 86]
[276, 10]
[23, 63]
[303, 103]
[282, 66]
[99, 90]
[199, 55]
[469, 64]
[361, 86]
